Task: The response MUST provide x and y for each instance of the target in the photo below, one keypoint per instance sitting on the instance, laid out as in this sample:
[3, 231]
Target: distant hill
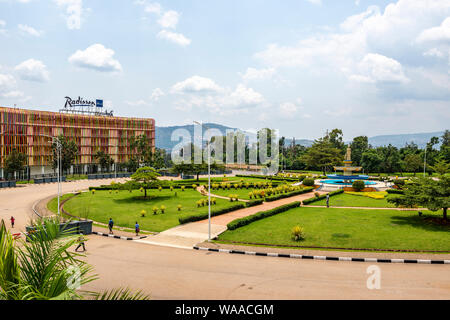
[399, 140]
[164, 134]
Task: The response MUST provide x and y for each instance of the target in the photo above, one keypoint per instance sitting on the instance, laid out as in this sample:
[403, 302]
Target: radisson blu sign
[80, 102]
[85, 106]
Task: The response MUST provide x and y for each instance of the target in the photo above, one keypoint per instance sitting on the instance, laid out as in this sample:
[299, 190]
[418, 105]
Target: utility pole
[209, 183]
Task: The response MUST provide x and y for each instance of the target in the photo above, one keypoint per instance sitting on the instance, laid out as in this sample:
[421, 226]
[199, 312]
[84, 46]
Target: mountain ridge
[164, 134]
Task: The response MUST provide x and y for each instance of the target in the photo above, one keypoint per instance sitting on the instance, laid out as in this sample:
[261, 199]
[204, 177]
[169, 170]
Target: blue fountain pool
[344, 183]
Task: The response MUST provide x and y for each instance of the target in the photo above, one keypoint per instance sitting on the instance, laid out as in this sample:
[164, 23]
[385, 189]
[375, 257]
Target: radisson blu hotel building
[85, 122]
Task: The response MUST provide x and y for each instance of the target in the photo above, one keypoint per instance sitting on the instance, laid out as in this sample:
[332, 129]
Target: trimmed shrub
[288, 195]
[358, 185]
[395, 191]
[324, 196]
[254, 203]
[163, 209]
[308, 182]
[298, 233]
[203, 216]
[179, 207]
[238, 223]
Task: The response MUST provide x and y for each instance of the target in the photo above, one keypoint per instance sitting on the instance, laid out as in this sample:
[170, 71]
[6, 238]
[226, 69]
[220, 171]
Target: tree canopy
[146, 178]
[426, 192]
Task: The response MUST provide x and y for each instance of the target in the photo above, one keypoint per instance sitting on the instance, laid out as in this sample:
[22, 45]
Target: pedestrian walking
[328, 200]
[81, 243]
[137, 228]
[12, 222]
[111, 225]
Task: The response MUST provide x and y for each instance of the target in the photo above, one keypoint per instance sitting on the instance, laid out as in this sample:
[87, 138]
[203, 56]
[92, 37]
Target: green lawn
[348, 200]
[125, 207]
[347, 228]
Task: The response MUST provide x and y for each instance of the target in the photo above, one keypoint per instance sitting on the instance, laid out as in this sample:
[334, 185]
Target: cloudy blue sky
[301, 66]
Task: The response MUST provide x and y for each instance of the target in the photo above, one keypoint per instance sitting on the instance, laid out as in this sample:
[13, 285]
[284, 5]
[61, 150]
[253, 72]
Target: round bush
[358, 185]
[308, 182]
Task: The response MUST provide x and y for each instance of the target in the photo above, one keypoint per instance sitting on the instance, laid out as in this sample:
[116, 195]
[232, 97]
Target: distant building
[28, 131]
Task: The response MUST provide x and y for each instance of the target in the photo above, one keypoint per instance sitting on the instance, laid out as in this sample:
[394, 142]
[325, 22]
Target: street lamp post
[425, 164]
[58, 149]
[209, 184]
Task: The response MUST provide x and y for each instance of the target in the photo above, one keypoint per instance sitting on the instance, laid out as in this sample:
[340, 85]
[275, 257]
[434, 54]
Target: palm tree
[43, 268]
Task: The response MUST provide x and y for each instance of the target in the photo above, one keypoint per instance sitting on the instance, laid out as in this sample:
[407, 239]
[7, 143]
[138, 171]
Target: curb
[118, 237]
[324, 258]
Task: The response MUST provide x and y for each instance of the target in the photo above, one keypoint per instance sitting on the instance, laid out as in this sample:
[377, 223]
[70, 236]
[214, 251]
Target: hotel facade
[28, 131]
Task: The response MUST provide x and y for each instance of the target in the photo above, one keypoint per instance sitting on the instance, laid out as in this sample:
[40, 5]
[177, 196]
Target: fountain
[347, 177]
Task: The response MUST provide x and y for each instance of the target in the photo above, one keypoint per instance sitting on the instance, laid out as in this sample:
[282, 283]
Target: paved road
[18, 201]
[173, 273]
[170, 273]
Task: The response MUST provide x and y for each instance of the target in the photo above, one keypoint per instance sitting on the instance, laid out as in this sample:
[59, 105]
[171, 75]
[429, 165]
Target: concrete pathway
[188, 235]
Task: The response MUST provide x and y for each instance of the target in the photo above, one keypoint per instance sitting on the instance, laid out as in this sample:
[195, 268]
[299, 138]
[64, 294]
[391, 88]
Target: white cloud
[317, 2]
[244, 96]
[138, 103]
[33, 70]
[196, 84]
[96, 57]
[156, 94]
[74, 11]
[8, 87]
[288, 109]
[378, 68]
[29, 30]
[356, 21]
[7, 83]
[391, 33]
[258, 74]
[174, 37]
[154, 7]
[433, 52]
[13, 94]
[2, 27]
[205, 94]
[441, 33]
[169, 19]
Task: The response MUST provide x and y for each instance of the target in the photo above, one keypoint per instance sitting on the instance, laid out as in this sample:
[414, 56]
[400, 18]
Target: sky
[300, 66]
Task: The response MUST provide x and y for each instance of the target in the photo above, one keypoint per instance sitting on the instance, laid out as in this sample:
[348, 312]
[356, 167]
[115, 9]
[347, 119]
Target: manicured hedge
[324, 196]
[274, 178]
[308, 182]
[238, 223]
[214, 213]
[288, 195]
[253, 203]
[395, 191]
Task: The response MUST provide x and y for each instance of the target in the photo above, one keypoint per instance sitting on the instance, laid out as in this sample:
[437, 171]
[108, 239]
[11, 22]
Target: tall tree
[441, 167]
[426, 192]
[412, 163]
[371, 161]
[336, 139]
[359, 146]
[14, 162]
[323, 154]
[69, 151]
[104, 160]
[146, 178]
